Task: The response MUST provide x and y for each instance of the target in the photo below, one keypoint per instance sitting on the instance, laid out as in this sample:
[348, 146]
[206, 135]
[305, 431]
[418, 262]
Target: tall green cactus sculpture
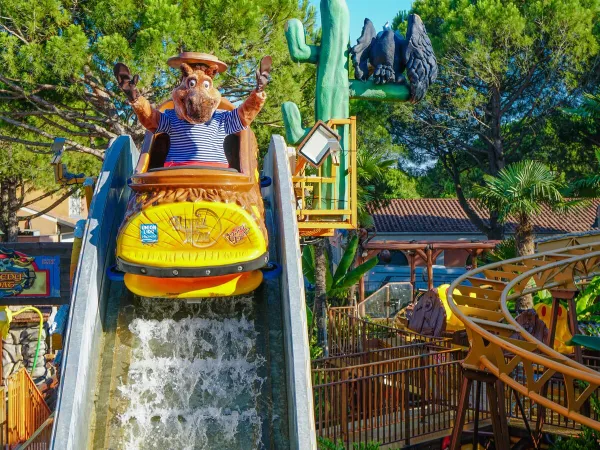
[332, 90]
[332, 94]
[333, 87]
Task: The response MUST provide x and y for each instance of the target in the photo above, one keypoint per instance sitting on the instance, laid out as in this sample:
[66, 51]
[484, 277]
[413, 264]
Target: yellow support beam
[308, 190]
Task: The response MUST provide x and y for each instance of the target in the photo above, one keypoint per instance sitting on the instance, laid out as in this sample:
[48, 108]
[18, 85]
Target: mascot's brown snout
[195, 99]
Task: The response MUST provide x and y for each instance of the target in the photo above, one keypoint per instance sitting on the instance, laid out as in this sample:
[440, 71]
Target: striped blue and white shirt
[199, 142]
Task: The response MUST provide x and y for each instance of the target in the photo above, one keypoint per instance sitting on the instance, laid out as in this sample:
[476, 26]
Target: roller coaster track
[499, 345]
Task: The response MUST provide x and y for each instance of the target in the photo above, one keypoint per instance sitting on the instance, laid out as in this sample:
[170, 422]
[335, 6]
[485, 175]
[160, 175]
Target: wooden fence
[396, 387]
[349, 334]
[27, 409]
[40, 440]
[402, 400]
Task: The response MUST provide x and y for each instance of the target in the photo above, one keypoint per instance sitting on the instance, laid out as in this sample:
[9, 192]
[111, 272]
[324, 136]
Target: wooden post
[361, 282]
[574, 326]
[1, 364]
[495, 391]
[477, 409]
[344, 405]
[474, 254]
[361, 289]
[461, 413]
[429, 268]
[413, 277]
[407, 416]
[499, 424]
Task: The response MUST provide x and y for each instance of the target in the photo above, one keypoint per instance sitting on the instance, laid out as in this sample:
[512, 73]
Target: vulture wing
[361, 51]
[421, 65]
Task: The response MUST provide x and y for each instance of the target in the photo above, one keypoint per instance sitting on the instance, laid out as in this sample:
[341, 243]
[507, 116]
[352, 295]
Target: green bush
[326, 444]
[587, 440]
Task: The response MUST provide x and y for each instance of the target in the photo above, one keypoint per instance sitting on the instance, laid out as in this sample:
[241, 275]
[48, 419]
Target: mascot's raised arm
[196, 128]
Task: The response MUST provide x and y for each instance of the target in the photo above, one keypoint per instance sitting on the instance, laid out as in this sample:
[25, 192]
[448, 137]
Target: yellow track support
[499, 345]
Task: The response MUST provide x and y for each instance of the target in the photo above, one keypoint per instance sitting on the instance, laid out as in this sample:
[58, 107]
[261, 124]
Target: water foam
[193, 379]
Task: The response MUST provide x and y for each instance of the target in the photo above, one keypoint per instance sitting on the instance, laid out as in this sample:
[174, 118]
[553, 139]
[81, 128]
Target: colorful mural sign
[28, 276]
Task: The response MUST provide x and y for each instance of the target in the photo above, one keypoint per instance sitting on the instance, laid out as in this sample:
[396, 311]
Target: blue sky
[379, 11]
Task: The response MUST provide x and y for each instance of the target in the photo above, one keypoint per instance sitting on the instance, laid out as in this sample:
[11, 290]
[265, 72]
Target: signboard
[28, 276]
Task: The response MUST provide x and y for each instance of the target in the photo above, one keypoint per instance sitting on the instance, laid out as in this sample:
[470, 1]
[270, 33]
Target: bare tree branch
[80, 148]
[15, 34]
[50, 207]
[41, 197]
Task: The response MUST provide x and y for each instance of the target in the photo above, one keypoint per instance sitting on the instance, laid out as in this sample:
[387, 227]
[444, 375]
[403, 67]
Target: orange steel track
[499, 345]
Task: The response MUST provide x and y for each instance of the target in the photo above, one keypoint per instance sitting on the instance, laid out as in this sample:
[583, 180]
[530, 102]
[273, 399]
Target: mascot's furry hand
[196, 98]
[262, 73]
[127, 83]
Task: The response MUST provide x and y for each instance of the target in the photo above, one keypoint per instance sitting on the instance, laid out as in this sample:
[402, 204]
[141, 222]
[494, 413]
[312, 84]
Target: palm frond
[522, 188]
[589, 108]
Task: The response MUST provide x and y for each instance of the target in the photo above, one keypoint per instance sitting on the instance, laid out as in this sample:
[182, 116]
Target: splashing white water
[193, 382]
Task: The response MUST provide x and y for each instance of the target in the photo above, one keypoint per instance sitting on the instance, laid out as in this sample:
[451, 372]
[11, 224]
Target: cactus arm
[300, 51]
[292, 119]
[368, 90]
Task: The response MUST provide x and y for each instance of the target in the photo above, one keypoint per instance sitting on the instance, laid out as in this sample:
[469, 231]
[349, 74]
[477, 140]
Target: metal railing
[386, 302]
[404, 400]
[40, 440]
[349, 334]
[378, 355]
[27, 409]
[372, 390]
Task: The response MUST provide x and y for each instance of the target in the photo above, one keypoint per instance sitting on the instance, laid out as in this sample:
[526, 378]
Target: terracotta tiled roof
[445, 215]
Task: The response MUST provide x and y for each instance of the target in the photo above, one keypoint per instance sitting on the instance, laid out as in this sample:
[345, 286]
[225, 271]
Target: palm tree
[588, 187]
[589, 108]
[371, 169]
[519, 191]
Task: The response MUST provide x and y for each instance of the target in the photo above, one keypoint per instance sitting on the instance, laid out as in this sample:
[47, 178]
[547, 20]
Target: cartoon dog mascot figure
[196, 128]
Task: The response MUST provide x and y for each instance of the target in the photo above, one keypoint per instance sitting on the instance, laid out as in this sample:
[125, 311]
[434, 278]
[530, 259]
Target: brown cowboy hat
[197, 58]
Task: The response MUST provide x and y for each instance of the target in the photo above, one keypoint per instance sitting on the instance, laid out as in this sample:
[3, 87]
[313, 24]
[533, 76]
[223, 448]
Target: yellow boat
[194, 231]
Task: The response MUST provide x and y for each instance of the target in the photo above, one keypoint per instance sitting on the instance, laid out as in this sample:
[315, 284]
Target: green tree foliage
[565, 143]
[56, 79]
[504, 66]
[586, 440]
[378, 176]
[26, 178]
[589, 107]
[504, 250]
[372, 183]
[56, 60]
[344, 277]
[326, 444]
[520, 190]
[400, 185]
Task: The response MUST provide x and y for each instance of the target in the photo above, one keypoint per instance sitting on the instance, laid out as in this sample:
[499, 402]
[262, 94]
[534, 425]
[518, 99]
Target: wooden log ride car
[194, 231]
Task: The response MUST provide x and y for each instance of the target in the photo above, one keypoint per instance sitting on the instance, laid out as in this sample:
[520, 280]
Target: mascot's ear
[186, 70]
[211, 71]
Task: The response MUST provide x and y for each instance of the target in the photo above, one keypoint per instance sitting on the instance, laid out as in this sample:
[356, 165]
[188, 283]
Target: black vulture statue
[386, 55]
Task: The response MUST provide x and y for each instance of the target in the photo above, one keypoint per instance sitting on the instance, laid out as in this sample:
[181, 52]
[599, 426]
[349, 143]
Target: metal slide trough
[91, 302]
